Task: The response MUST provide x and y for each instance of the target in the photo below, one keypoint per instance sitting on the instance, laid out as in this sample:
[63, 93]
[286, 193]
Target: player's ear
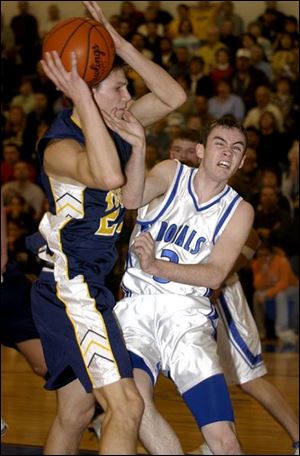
[242, 162]
[200, 151]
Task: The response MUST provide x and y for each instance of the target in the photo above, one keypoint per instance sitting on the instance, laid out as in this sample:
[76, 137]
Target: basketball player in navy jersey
[92, 166]
[187, 237]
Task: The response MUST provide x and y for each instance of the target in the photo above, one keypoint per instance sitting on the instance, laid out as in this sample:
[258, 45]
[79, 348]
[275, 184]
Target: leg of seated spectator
[282, 313]
[259, 316]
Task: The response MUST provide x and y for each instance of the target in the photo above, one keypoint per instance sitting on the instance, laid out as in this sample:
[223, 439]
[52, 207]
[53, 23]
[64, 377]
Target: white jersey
[184, 232]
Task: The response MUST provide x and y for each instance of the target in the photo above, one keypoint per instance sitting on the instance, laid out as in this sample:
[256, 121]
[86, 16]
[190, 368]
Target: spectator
[200, 83]
[225, 102]
[253, 137]
[223, 68]
[41, 83]
[246, 79]
[290, 177]
[157, 134]
[10, 74]
[25, 28]
[182, 62]
[270, 177]
[167, 57]
[15, 125]
[186, 37]
[161, 16]
[274, 279]
[254, 28]
[247, 41]
[138, 41]
[246, 180]
[11, 156]
[152, 37]
[203, 16]
[273, 144]
[18, 212]
[283, 57]
[130, 14]
[22, 185]
[52, 19]
[208, 50]
[263, 103]
[202, 112]
[278, 17]
[283, 97]
[25, 98]
[182, 13]
[226, 12]
[227, 37]
[269, 27]
[150, 16]
[291, 27]
[42, 114]
[271, 222]
[259, 61]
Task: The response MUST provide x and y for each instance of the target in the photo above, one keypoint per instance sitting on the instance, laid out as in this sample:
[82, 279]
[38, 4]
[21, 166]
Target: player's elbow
[110, 181]
[217, 278]
[178, 99]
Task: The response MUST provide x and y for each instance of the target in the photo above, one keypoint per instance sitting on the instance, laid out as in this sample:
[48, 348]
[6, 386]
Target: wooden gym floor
[28, 408]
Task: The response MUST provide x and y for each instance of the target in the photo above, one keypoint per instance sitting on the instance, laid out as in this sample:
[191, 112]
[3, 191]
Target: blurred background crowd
[225, 67]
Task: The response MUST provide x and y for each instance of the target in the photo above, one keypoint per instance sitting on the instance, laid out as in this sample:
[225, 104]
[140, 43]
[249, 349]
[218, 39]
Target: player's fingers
[73, 63]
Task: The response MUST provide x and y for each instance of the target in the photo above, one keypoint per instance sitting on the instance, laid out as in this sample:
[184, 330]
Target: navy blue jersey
[83, 224]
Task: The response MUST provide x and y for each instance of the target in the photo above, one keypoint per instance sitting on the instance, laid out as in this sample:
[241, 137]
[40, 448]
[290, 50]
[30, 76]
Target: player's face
[112, 92]
[184, 150]
[224, 153]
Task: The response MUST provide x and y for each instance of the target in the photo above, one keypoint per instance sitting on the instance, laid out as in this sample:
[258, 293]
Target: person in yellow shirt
[208, 50]
[203, 16]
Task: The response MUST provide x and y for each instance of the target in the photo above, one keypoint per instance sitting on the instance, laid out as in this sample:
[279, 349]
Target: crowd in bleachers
[225, 67]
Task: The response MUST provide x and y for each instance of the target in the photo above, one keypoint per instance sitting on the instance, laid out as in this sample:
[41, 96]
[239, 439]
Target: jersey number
[173, 257]
[108, 225]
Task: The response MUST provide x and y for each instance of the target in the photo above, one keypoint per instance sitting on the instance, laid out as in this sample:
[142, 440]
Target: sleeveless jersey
[82, 224]
[184, 232]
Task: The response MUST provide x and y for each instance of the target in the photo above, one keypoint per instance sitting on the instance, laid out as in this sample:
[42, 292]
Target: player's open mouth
[224, 164]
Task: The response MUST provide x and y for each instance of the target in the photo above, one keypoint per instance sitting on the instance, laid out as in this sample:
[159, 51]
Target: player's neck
[205, 187]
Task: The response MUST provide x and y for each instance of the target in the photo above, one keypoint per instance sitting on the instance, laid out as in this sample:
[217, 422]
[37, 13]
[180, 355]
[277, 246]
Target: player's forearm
[132, 191]
[200, 275]
[156, 78]
[103, 160]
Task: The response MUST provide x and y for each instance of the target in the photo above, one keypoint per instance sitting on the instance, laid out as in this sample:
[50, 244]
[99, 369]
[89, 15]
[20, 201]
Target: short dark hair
[227, 121]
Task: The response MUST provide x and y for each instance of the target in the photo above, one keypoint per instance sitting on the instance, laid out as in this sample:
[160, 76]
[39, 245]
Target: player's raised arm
[100, 166]
[165, 95]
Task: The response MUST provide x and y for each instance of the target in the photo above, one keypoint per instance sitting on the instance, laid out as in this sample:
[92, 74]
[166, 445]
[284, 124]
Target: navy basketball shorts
[80, 336]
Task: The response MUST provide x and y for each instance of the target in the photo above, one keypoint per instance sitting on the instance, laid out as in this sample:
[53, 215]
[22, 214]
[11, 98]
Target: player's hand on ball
[144, 246]
[96, 11]
[70, 83]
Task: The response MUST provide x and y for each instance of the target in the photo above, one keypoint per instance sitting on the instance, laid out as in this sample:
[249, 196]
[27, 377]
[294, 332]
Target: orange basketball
[90, 40]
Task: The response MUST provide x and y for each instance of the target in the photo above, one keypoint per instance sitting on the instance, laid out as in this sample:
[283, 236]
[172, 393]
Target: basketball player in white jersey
[239, 346]
[187, 237]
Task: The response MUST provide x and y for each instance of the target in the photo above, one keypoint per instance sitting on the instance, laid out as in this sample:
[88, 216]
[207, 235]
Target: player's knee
[39, 370]
[77, 418]
[128, 412]
[228, 444]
